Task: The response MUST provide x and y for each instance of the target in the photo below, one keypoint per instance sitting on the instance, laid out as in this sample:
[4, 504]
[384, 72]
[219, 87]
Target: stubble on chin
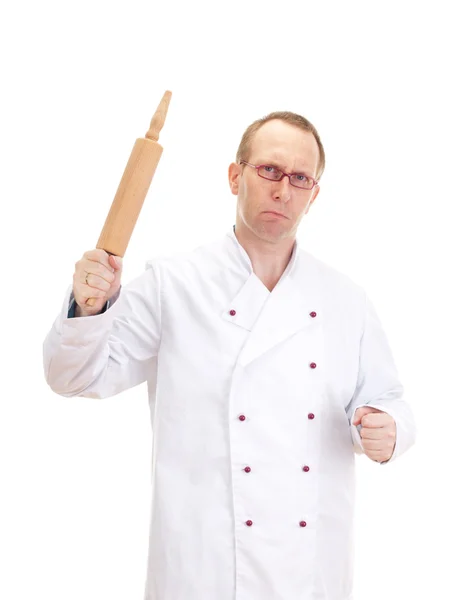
[271, 232]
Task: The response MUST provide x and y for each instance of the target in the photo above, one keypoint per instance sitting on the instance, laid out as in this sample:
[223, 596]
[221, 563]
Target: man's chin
[273, 232]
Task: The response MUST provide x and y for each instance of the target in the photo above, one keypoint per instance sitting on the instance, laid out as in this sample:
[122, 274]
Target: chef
[267, 371]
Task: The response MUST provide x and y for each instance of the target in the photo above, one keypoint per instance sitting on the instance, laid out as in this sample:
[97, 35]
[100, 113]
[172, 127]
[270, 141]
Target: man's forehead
[281, 156]
[285, 145]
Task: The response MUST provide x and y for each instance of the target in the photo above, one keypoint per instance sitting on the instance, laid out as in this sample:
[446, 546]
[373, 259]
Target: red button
[313, 314]
[247, 469]
[302, 523]
[306, 468]
[232, 313]
[313, 365]
[311, 416]
[249, 523]
[241, 417]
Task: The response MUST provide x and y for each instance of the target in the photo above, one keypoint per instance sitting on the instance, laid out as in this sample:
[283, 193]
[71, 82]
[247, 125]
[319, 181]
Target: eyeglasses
[272, 173]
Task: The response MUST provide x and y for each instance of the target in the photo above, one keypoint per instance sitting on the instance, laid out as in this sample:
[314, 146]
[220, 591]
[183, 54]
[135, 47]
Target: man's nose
[283, 190]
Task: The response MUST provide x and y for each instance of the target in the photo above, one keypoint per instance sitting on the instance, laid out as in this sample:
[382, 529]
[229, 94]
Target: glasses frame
[288, 175]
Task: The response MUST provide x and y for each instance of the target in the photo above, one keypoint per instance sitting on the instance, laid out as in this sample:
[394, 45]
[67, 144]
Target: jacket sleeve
[378, 385]
[105, 354]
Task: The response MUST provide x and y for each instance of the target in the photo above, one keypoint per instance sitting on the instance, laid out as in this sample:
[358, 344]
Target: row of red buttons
[311, 314]
[310, 416]
[305, 468]
[249, 523]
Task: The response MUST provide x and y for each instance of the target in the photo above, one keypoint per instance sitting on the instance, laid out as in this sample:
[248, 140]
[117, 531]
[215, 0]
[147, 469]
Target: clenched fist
[378, 432]
[97, 275]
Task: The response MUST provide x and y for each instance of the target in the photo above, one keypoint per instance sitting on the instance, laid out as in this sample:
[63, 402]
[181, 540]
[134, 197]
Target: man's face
[293, 151]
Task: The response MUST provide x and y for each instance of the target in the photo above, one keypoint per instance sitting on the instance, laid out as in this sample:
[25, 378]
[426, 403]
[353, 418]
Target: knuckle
[94, 293]
[107, 275]
[91, 255]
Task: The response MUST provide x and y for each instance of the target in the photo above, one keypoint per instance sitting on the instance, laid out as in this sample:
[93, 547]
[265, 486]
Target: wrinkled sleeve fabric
[102, 355]
[378, 385]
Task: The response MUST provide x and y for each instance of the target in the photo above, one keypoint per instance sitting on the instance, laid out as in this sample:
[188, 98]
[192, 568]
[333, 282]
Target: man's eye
[272, 170]
[300, 177]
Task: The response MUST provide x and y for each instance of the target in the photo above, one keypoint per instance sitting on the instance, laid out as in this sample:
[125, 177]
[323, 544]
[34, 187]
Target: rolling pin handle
[159, 118]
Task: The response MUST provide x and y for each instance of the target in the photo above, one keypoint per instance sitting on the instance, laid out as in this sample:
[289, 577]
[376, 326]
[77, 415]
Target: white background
[80, 83]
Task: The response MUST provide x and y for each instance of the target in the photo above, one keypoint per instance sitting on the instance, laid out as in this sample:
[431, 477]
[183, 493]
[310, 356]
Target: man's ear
[313, 197]
[234, 173]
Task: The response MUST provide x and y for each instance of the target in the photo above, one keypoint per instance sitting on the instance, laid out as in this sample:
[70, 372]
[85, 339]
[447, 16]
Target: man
[266, 370]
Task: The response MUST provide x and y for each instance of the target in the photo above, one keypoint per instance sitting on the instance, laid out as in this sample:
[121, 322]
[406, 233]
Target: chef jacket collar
[248, 263]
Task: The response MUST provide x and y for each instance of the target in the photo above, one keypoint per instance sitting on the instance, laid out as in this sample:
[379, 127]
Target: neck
[269, 259]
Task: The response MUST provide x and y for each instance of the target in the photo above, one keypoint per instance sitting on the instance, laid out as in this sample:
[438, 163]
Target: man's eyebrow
[274, 163]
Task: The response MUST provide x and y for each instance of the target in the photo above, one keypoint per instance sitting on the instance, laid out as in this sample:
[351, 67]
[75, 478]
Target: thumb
[116, 262]
[362, 411]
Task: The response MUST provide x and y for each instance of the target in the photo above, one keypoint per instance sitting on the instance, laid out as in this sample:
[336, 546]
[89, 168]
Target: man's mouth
[275, 213]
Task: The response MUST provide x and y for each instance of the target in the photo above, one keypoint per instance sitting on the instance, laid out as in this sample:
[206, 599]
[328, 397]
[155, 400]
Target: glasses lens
[269, 172]
[302, 181]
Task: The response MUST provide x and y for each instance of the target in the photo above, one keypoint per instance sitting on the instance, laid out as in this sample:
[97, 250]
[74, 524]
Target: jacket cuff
[106, 306]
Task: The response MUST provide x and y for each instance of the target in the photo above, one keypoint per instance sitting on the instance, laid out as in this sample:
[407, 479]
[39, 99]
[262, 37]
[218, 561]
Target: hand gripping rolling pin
[133, 187]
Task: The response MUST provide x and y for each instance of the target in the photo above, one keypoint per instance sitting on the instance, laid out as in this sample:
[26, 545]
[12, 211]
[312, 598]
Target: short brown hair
[243, 152]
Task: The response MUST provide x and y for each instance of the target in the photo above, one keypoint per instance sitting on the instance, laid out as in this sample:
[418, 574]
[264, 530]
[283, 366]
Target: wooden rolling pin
[133, 187]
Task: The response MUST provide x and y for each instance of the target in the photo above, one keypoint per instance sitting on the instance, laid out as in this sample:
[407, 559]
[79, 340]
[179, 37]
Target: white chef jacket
[251, 397]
